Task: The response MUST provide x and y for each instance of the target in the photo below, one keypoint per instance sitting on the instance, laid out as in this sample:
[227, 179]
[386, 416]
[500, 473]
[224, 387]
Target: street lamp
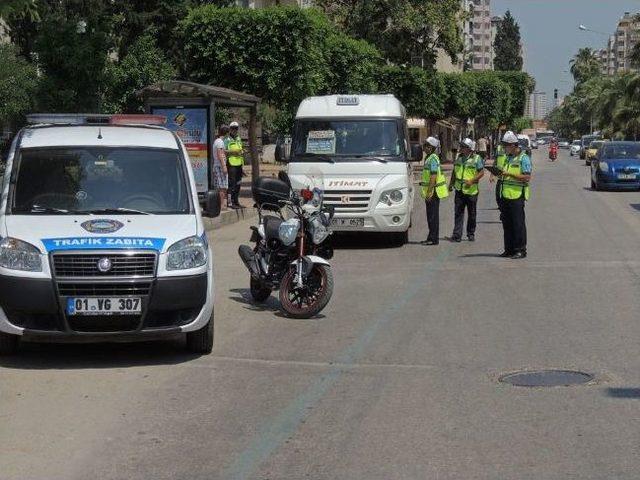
[586, 29]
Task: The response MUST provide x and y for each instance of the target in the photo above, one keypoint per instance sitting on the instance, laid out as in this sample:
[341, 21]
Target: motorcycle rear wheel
[312, 298]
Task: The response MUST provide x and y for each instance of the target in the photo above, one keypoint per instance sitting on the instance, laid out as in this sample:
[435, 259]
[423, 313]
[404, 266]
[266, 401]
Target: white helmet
[434, 142]
[510, 137]
[470, 144]
[234, 125]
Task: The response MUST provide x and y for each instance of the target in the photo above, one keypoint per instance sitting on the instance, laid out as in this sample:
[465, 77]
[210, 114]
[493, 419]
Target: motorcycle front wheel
[309, 300]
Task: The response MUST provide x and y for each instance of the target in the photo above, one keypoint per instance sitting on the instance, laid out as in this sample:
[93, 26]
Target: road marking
[278, 429]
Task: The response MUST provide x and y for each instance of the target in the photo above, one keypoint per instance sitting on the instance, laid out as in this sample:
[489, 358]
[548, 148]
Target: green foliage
[493, 104]
[405, 31]
[18, 83]
[143, 65]
[280, 54]
[521, 85]
[585, 65]
[521, 123]
[70, 47]
[461, 95]
[422, 93]
[507, 45]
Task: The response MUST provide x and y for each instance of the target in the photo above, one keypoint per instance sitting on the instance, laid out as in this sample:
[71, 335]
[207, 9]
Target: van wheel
[8, 343]
[201, 341]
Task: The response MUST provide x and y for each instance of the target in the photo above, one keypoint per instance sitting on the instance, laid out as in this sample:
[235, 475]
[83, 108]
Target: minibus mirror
[416, 153]
[213, 205]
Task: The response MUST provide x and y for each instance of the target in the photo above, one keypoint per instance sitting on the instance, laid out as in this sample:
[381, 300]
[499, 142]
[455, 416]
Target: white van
[359, 144]
[102, 236]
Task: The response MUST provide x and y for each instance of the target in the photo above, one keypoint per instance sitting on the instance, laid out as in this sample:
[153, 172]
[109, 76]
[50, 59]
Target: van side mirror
[212, 204]
[416, 152]
[283, 149]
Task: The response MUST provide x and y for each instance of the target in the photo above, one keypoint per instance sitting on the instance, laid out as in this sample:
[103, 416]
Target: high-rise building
[537, 106]
[478, 35]
[615, 57]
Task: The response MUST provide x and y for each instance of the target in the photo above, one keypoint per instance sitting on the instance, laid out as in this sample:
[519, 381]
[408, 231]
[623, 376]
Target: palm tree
[585, 65]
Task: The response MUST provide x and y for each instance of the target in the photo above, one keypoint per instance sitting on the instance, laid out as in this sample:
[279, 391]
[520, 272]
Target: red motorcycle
[553, 152]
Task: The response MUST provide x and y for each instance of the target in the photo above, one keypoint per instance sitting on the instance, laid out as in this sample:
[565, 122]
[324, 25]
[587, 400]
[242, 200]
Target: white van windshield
[99, 180]
[347, 139]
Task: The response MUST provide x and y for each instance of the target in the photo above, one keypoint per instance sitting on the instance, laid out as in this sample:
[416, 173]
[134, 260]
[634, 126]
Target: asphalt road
[396, 380]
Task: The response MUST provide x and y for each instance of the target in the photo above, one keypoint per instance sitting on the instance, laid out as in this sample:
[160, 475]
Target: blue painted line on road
[279, 428]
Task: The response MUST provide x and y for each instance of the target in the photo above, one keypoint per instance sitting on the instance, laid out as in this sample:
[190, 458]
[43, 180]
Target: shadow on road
[623, 393]
[635, 206]
[64, 356]
[492, 222]
[368, 241]
[272, 304]
[480, 255]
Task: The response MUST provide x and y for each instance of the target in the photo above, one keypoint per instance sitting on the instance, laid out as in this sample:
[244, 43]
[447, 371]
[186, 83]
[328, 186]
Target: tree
[407, 32]
[143, 65]
[18, 7]
[507, 45]
[585, 65]
[18, 84]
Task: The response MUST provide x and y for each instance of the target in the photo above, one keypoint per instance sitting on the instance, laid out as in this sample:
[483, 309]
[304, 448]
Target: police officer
[516, 174]
[235, 161]
[468, 169]
[433, 188]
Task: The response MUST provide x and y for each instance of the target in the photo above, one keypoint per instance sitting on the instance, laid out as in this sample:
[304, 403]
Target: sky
[549, 30]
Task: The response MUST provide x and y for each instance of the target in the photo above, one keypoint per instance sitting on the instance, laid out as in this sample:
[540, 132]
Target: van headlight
[288, 231]
[390, 197]
[604, 167]
[18, 255]
[188, 253]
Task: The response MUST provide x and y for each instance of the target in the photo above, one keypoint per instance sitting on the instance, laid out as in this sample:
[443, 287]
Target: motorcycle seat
[271, 226]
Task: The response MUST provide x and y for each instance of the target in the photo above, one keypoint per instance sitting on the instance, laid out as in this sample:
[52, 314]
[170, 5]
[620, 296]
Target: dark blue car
[616, 166]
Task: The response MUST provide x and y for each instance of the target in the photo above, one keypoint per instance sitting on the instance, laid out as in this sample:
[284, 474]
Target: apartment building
[478, 35]
[537, 106]
[615, 57]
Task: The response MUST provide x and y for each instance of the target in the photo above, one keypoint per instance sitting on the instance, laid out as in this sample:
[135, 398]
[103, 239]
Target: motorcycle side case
[268, 192]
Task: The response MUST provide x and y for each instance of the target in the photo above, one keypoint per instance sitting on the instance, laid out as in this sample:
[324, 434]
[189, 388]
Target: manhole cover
[546, 378]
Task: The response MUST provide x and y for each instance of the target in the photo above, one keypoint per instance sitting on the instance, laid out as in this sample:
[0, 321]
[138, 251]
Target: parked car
[534, 144]
[616, 165]
[585, 141]
[575, 148]
[525, 143]
[563, 143]
[593, 149]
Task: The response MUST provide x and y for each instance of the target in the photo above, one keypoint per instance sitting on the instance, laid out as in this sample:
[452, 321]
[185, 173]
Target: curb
[229, 217]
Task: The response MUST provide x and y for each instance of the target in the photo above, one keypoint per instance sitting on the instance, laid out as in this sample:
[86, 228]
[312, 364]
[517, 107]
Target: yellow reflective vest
[234, 146]
[466, 169]
[441, 189]
[513, 189]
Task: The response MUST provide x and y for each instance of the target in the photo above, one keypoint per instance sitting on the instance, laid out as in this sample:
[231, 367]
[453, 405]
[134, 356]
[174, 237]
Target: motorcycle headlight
[188, 253]
[288, 231]
[390, 197]
[604, 166]
[319, 232]
[18, 255]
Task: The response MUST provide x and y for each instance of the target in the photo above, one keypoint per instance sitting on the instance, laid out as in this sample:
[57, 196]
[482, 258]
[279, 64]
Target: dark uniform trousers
[235, 179]
[499, 196]
[469, 202]
[433, 218]
[515, 228]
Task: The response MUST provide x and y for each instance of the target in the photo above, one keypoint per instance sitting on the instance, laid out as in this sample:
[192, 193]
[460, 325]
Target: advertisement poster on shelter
[191, 124]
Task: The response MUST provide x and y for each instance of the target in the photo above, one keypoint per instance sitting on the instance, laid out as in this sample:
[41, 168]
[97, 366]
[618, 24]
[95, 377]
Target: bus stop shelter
[190, 110]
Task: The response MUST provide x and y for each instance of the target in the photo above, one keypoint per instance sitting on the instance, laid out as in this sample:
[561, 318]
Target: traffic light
[555, 93]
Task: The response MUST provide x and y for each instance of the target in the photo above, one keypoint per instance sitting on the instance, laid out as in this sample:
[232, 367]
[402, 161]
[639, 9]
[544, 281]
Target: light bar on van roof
[138, 119]
[94, 119]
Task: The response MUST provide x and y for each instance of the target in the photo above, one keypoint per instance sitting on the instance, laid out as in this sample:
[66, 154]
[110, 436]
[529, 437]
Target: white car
[575, 147]
[102, 235]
